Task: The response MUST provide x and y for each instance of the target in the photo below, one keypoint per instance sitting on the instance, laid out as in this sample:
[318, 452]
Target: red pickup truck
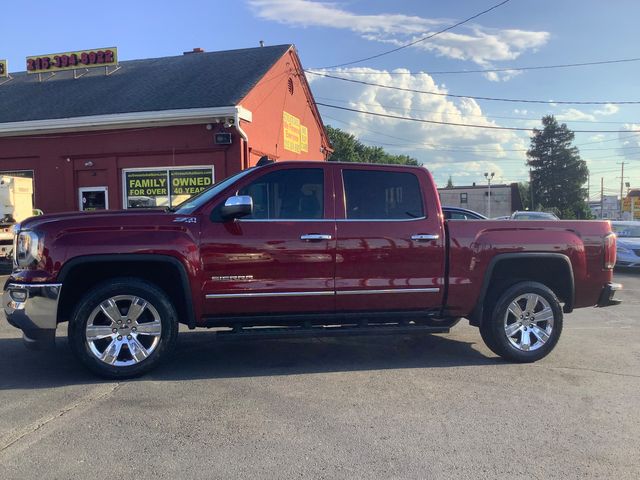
[301, 248]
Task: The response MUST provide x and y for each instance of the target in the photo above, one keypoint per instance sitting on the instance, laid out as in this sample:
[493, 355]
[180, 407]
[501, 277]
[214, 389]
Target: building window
[463, 198]
[163, 187]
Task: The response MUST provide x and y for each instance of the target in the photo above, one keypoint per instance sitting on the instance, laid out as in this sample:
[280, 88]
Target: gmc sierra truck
[301, 248]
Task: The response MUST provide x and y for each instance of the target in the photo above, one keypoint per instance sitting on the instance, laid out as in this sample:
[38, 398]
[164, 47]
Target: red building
[153, 132]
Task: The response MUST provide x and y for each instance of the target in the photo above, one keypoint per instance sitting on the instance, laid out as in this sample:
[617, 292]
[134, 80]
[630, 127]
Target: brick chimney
[195, 50]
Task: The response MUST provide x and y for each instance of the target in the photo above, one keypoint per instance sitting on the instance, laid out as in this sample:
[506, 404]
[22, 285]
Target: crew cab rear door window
[382, 195]
[292, 194]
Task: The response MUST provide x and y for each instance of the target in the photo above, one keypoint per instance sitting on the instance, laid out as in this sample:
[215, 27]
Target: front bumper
[606, 297]
[33, 308]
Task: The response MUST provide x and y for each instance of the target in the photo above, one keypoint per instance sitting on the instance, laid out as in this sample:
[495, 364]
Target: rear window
[382, 195]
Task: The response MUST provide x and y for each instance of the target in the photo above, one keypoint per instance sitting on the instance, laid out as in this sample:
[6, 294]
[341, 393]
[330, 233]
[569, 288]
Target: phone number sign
[55, 62]
[3, 68]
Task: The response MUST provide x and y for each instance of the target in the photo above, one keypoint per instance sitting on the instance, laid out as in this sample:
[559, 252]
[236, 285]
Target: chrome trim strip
[285, 220]
[321, 293]
[270, 294]
[387, 290]
[380, 219]
[33, 285]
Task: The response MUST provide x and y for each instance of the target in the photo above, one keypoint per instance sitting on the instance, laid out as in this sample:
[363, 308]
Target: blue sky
[520, 33]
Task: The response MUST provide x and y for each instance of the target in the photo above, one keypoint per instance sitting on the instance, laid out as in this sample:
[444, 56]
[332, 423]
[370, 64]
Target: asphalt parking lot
[438, 406]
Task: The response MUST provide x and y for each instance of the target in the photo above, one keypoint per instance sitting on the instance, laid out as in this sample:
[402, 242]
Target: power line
[493, 99]
[495, 70]
[459, 114]
[479, 14]
[454, 124]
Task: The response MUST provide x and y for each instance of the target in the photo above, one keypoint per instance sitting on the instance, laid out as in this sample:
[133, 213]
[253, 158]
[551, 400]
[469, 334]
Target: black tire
[117, 287]
[494, 324]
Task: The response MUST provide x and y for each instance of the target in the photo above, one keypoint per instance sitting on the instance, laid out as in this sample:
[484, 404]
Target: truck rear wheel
[123, 328]
[524, 324]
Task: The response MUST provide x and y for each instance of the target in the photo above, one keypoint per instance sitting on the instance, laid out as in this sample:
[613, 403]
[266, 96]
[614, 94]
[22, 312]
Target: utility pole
[489, 177]
[601, 198]
[621, 189]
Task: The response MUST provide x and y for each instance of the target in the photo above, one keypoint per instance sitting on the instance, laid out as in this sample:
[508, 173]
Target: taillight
[610, 251]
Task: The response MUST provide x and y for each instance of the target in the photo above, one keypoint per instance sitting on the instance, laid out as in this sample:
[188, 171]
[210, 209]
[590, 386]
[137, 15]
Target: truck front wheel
[123, 328]
[524, 323]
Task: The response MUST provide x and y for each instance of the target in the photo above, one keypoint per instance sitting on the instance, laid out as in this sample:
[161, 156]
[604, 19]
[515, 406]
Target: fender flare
[478, 312]
[70, 264]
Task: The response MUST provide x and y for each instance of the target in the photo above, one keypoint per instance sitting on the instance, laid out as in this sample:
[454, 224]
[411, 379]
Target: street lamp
[489, 177]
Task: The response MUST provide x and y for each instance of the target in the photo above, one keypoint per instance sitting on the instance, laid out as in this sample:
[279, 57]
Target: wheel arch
[80, 274]
[551, 269]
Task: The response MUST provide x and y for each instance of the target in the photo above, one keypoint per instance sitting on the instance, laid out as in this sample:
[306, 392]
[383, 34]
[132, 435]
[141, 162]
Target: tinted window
[294, 194]
[382, 195]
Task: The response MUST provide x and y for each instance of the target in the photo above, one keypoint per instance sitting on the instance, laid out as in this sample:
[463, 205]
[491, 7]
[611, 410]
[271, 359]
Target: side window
[463, 198]
[382, 195]
[293, 194]
[458, 216]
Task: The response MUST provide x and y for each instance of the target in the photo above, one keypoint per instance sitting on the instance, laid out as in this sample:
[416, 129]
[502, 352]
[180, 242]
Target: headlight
[28, 248]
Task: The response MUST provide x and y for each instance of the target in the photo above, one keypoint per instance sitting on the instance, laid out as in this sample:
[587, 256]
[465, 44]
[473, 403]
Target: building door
[93, 198]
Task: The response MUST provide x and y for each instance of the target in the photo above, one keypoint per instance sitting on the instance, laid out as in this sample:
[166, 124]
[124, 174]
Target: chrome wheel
[528, 322]
[123, 330]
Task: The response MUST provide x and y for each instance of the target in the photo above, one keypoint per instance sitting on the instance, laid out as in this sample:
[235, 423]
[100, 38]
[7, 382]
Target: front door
[282, 258]
[93, 198]
[390, 244]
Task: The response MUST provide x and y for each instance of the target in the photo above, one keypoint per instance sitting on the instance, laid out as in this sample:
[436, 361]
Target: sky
[520, 33]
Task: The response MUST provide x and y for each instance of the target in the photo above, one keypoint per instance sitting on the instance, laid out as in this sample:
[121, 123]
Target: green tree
[558, 174]
[347, 148]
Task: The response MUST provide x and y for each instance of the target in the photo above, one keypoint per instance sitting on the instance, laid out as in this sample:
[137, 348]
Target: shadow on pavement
[200, 356]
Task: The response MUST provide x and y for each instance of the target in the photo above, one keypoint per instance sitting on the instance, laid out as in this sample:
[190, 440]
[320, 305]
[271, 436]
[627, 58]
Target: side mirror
[236, 207]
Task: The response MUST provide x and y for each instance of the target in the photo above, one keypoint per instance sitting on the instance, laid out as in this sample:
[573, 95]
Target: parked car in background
[505, 217]
[526, 215]
[628, 245]
[457, 213]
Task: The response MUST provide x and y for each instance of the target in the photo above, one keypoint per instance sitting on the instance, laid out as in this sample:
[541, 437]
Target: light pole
[489, 177]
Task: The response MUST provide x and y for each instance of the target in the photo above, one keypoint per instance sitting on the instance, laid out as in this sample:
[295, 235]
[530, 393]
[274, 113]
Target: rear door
[390, 241]
[282, 258]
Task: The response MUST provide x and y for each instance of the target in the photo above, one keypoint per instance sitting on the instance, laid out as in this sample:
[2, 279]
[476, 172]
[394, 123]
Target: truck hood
[121, 219]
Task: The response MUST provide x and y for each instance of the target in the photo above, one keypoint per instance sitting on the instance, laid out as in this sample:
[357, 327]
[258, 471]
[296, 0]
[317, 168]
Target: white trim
[124, 171]
[156, 118]
[104, 189]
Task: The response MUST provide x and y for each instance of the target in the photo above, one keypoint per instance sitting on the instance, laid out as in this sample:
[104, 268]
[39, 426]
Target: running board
[325, 331]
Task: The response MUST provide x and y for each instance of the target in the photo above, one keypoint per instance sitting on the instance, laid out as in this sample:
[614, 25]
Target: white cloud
[608, 109]
[477, 44]
[570, 114]
[467, 151]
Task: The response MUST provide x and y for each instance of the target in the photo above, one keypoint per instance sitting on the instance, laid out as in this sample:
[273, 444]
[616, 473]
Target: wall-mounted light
[209, 126]
[88, 164]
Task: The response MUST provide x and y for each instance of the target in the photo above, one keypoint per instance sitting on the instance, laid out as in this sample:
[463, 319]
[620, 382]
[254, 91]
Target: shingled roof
[196, 80]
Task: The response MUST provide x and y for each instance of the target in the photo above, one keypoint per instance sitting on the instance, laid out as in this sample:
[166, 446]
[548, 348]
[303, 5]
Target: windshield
[192, 204]
[626, 231]
[535, 216]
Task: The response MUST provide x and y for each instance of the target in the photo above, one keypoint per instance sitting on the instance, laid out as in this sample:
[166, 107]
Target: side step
[325, 331]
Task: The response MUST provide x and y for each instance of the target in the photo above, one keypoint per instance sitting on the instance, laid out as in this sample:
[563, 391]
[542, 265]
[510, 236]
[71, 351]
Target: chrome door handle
[423, 237]
[315, 237]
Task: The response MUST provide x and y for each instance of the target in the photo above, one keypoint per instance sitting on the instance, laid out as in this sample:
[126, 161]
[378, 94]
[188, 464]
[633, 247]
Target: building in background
[606, 208]
[505, 199]
[153, 132]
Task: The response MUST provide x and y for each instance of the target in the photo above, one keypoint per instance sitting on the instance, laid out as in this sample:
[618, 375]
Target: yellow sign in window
[3, 68]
